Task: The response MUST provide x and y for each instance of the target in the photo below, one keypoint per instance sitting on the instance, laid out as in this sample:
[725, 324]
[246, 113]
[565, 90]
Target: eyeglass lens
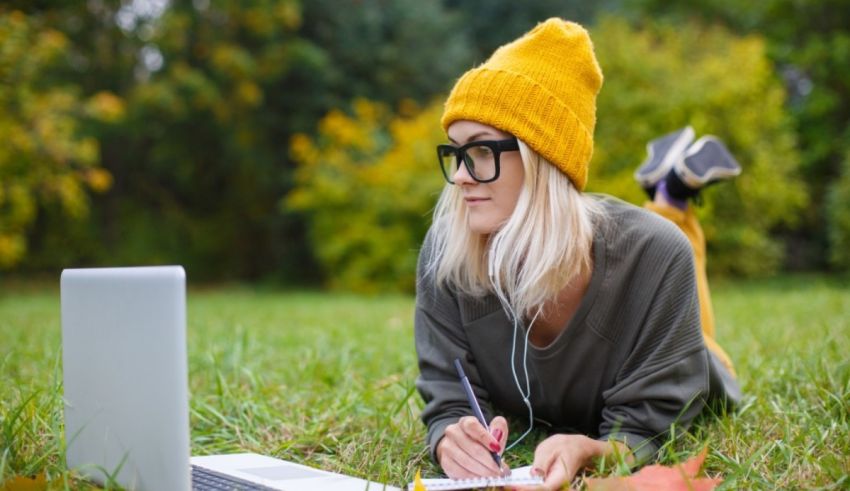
[480, 162]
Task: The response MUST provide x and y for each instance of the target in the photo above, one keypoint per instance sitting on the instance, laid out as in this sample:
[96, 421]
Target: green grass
[327, 380]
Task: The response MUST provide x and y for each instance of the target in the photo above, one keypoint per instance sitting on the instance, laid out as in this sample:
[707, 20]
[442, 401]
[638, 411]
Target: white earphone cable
[527, 392]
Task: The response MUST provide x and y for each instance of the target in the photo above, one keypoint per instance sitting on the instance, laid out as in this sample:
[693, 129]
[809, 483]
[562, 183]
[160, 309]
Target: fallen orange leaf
[680, 477]
[20, 483]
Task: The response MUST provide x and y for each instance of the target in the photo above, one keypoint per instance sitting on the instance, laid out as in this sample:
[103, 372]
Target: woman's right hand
[465, 449]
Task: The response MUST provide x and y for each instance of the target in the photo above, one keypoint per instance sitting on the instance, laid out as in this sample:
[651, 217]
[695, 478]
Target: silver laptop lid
[125, 375]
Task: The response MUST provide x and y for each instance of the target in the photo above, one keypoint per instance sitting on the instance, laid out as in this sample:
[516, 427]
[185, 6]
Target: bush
[367, 183]
[661, 77]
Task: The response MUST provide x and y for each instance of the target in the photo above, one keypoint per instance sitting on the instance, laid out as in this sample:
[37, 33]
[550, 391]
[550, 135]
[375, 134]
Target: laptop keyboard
[207, 480]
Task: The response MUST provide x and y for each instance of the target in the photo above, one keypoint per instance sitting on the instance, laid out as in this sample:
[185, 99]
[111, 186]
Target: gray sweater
[630, 363]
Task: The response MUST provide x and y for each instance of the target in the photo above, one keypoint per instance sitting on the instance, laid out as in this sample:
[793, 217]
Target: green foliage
[45, 160]
[809, 42]
[214, 91]
[184, 117]
[386, 51]
[838, 208]
[198, 162]
[490, 23]
[661, 77]
[658, 78]
[367, 182]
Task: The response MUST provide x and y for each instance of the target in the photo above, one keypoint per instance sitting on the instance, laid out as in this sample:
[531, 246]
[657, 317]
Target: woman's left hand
[560, 457]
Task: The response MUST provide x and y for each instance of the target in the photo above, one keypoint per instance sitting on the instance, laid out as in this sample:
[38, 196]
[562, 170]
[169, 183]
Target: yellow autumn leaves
[44, 160]
[369, 178]
[367, 182]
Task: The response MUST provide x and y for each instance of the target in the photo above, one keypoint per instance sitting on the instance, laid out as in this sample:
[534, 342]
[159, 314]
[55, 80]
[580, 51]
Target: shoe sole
[725, 166]
[648, 179]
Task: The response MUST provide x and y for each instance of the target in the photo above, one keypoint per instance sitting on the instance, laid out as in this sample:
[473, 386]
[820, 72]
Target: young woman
[575, 313]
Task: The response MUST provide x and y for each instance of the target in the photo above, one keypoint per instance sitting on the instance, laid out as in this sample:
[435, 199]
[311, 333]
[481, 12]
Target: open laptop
[126, 391]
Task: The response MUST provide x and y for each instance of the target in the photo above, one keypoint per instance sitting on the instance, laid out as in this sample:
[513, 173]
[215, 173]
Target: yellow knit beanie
[542, 89]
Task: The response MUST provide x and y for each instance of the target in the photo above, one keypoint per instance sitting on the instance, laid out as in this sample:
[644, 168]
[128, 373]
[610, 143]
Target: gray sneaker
[706, 161]
[661, 155]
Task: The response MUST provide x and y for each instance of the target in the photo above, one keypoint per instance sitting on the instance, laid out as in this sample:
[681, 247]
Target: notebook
[521, 476]
[126, 391]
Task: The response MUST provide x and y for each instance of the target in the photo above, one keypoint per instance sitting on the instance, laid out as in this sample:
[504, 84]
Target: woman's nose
[461, 175]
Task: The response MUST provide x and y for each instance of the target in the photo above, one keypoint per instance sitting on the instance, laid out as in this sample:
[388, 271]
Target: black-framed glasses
[481, 158]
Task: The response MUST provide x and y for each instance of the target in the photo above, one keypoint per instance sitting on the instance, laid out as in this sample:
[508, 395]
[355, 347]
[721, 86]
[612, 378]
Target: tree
[47, 163]
[213, 91]
[490, 23]
[387, 51]
[198, 165]
[212, 125]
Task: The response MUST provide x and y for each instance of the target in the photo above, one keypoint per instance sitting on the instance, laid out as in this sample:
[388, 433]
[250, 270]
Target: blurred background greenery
[291, 142]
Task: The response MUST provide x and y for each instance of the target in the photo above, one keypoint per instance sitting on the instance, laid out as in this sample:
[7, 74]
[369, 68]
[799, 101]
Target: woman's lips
[473, 200]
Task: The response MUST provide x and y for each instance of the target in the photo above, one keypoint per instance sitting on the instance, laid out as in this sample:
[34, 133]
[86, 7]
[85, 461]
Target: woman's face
[490, 204]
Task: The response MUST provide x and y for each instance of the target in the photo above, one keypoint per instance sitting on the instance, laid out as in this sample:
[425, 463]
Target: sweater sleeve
[664, 379]
[439, 339]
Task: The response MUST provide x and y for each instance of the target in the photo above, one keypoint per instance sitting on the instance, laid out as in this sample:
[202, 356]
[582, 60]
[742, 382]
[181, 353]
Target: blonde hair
[545, 245]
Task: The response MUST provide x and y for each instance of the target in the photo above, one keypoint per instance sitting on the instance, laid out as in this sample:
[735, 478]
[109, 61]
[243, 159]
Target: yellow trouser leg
[689, 224]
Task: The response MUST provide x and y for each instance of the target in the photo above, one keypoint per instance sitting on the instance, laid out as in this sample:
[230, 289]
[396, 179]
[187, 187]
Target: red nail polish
[495, 447]
[497, 434]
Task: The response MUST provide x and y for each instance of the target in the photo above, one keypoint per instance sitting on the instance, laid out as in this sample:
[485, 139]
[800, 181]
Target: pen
[473, 402]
